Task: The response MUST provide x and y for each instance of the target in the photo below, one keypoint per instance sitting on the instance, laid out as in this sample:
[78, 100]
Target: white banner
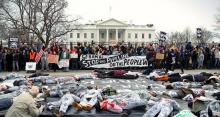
[113, 61]
[30, 66]
[63, 63]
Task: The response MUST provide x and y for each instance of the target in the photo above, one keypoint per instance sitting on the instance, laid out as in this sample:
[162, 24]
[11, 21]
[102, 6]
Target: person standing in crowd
[44, 61]
[54, 65]
[25, 105]
[212, 62]
[181, 59]
[217, 58]
[150, 55]
[173, 58]
[4, 59]
[15, 60]
[9, 59]
[115, 51]
[207, 57]
[74, 58]
[1, 59]
[188, 50]
[24, 57]
[200, 59]
[194, 58]
[32, 55]
[65, 55]
[168, 60]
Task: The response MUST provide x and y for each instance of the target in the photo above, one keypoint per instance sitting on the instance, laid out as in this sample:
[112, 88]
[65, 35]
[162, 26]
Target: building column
[97, 36]
[126, 37]
[116, 35]
[107, 36]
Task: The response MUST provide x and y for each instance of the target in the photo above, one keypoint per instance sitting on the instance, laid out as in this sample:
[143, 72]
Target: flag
[163, 35]
[199, 33]
[39, 55]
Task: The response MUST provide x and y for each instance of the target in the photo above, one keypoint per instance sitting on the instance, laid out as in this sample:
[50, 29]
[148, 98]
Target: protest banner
[63, 63]
[159, 56]
[53, 58]
[113, 61]
[30, 66]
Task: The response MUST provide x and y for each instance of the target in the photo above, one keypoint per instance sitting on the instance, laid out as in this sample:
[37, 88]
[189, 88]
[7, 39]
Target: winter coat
[24, 106]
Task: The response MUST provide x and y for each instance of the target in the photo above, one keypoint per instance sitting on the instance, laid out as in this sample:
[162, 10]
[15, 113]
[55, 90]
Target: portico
[110, 35]
[112, 31]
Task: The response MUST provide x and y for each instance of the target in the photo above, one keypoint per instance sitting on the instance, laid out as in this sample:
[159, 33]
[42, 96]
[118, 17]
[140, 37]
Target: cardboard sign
[30, 66]
[159, 56]
[63, 63]
[74, 55]
[53, 58]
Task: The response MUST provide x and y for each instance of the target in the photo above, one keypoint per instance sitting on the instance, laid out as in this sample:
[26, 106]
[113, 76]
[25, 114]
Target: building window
[85, 35]
[142, 35]
[103, 35]
[119, 35]
[78, 35]
[136, 35]
[71, 35]
[110, 35]
[129, 35]
[92, 35]
[149, 36]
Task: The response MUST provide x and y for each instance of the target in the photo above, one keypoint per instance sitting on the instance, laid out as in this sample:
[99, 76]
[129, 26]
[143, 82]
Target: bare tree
[217, 20]
[217, 24]
[43, 19]
[206, 36]
[177, 38]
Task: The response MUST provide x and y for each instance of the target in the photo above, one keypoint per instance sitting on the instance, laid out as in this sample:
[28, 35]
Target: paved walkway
[75, 72]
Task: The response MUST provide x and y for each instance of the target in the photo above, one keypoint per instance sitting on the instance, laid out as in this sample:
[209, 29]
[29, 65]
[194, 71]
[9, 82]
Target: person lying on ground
[90, 99]
[13, 92]
[122, 74]
[213, 80]
[163, 108]
[179, 85]
[201, 77]
[15, 82]
[37, 74]
[217, 95]
[125, 102]
[199, 104]
[66, 100]
[85, 76]
[183, 92]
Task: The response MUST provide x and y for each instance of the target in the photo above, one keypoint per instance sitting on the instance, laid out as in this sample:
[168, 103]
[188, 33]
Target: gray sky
[166, 15]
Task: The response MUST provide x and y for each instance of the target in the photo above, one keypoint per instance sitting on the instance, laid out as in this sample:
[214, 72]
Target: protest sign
[53, 58]
[30, 66]
[63, 63]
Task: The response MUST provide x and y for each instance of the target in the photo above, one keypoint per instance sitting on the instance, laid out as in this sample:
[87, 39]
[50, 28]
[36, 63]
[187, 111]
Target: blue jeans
[217, 62]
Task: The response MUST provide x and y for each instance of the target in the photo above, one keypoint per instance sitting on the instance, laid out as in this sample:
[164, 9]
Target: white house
[112, 31]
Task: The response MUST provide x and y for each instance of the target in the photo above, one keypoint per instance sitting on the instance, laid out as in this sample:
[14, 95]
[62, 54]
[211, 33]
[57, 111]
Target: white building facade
[111, 32]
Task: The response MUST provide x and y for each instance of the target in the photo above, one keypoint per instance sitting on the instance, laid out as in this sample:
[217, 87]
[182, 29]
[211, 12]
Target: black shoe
[126, 113]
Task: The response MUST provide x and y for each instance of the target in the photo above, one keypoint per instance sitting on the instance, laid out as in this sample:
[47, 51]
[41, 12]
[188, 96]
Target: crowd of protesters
[186, 56]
